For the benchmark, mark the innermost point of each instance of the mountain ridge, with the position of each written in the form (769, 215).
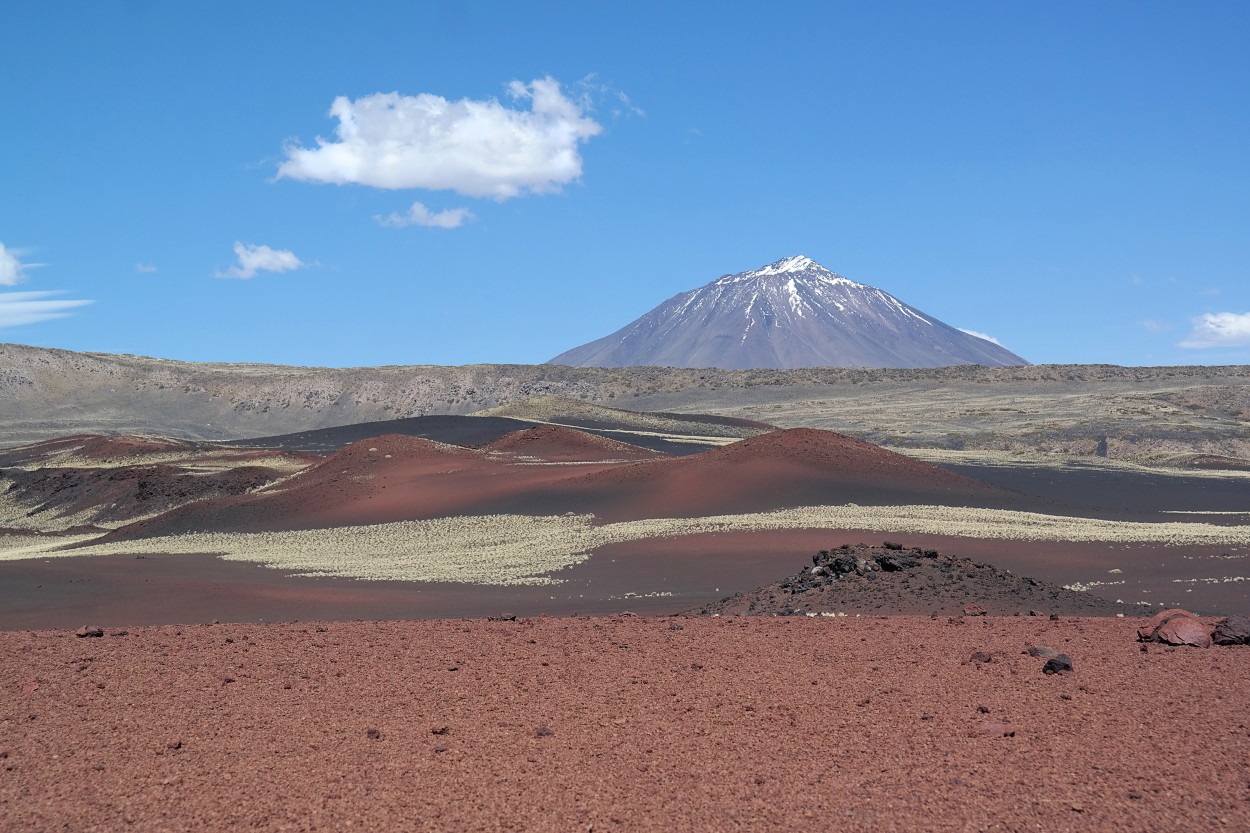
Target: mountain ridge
(792, 313)
(1145, 411)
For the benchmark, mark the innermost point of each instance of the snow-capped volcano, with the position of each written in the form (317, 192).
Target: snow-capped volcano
(792, 313)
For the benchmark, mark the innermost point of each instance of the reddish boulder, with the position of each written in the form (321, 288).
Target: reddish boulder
(1176, 627)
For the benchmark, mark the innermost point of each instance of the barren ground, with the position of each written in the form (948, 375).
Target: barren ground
(664, 724)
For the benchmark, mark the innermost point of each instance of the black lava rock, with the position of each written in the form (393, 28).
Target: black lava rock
(1059, 664)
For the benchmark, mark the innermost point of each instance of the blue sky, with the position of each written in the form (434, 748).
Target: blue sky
(501, 182)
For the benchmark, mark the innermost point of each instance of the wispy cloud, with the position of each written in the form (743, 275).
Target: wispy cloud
(1219, 329)
(479, 148)
(18, 308)
(254, 259)
(626, 107)
(1152, 325)
(985, 336)
(145, 268)
(592, 93)
(419, 215)
(12, 270)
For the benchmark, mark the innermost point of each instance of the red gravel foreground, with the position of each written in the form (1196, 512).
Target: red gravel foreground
(626, 723)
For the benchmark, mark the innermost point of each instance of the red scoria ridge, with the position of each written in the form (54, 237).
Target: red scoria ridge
(396, 477)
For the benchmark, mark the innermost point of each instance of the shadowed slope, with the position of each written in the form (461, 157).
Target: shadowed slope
(440, 428)
(557, 443)
(94, 449)
(575, 413)
(105, 480)
(795, 467)
(397, 478)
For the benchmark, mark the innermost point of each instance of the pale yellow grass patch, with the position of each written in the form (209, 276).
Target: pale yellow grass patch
(519, 549)
(1028, 460)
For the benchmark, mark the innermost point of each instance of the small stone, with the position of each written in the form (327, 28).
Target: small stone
(373, 734)
(89, 630)
(543, 731)
(980, 656)
(440, 730)
(1058, 664)
(174, 744)
(1042, 651)
(974, 610)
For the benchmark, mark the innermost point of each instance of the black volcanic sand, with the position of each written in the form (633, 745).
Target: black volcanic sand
(467, 431)
(1126, 490)
(655, 576)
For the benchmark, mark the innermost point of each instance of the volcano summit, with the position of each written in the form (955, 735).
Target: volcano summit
(789, 314)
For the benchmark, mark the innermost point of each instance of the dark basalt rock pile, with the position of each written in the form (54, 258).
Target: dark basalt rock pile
(892, 579)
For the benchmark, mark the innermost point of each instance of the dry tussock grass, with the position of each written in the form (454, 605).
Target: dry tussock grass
(519, 549)
(1022, 460)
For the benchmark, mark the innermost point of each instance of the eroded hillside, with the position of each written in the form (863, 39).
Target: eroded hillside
(1181, 415)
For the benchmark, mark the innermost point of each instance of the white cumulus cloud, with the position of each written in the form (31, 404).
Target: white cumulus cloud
(253, 259)
(12, 271)
(479, 148)
(420, 215)
(988, 338)
(17, 308)
(1219, 329)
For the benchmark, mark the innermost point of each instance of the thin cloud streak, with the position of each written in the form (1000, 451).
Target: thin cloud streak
(20, 308)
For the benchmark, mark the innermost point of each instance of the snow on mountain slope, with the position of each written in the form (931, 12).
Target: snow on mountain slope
(788, 314)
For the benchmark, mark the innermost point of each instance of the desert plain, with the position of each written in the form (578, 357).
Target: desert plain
(528, 610)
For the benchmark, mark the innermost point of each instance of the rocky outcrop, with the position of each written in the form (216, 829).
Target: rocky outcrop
(1176, 627)
(894, 579)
